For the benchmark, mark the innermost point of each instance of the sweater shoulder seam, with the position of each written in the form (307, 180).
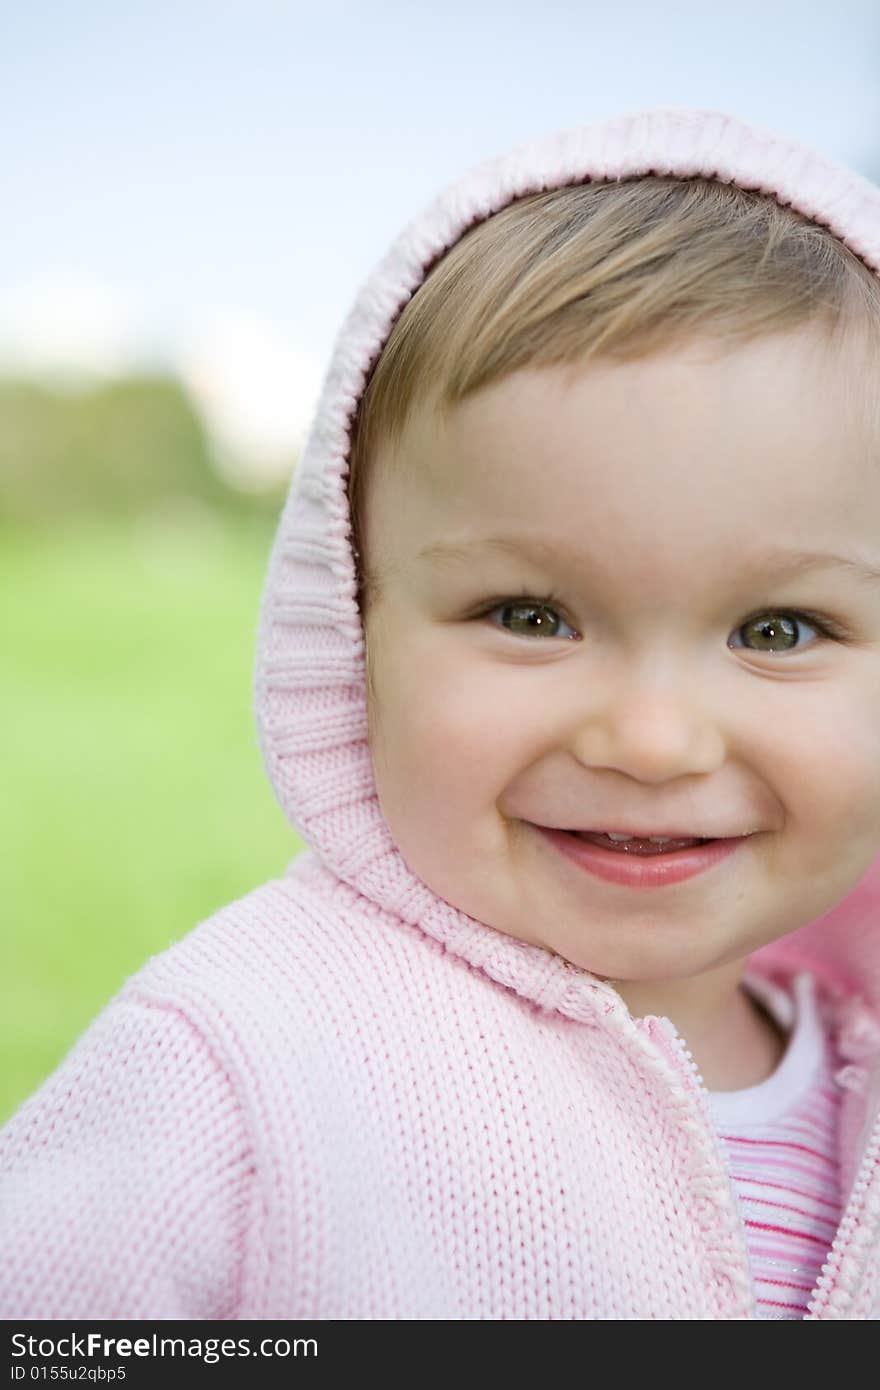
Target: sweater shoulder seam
(133, 994)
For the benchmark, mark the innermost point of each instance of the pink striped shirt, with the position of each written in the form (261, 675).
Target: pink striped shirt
(780, 1140)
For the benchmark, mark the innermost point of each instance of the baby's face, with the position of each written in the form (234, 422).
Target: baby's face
(656, 500)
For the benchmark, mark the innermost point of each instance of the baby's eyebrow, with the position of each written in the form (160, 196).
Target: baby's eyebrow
(775, 562)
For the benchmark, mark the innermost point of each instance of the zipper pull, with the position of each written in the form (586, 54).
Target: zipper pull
(663, 1032)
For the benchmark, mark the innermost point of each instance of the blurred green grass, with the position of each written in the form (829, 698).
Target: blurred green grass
(134, 802)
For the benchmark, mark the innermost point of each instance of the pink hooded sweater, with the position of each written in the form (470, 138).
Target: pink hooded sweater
(341, 1097)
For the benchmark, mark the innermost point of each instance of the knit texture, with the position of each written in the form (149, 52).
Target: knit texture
(307, 1109)
(342, 1097)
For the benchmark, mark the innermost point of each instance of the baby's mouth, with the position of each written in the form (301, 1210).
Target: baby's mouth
(634, 845)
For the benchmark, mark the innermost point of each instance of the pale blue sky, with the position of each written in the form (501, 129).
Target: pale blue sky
(197, 157)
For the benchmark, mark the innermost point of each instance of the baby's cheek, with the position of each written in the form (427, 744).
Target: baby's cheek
(850, 814)
(445, 751)
(444, 745)
(837, 763)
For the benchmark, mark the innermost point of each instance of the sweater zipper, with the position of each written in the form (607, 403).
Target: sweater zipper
(828, 1278)
(662, 1033)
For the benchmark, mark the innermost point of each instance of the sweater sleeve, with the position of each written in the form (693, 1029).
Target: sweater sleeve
(125, 1179)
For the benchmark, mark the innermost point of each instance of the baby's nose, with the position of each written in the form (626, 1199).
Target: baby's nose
(649, 734)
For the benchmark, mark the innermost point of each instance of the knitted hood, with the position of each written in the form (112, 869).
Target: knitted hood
(310, 690)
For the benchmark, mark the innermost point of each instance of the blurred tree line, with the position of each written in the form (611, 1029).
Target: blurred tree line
(118, 448)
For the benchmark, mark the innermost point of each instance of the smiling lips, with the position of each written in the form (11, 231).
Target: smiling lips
(639, 863)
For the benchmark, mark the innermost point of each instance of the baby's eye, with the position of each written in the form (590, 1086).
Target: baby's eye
(777, 631)
(530, 618)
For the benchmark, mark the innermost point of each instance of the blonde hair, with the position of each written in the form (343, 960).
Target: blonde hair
(614, 270)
